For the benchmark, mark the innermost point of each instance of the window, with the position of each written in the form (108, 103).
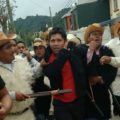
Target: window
(115, 5)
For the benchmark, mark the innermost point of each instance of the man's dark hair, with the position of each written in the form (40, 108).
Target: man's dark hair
(21, 42)
(14, 40)
(57, 30)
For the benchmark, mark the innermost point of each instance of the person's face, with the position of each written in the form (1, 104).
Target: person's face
(14, 46)
(6, 53)
(95, 36)
(39, 51)
(56, 43)
(21, 47)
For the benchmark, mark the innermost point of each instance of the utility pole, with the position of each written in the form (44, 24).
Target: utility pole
(77, 2)
(51, 17)
(10, 16)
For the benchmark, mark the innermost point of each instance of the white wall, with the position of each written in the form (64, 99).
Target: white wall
(85, 1)
(113, 13)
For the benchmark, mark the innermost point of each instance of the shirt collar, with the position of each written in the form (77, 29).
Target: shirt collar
(7, 66)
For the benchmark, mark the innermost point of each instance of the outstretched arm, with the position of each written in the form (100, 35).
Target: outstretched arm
(114, 61)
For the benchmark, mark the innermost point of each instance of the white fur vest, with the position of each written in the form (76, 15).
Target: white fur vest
(18, 80)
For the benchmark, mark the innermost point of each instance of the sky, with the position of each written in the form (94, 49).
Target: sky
(41, 7)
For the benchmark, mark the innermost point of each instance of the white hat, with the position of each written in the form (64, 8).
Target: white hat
(73, 38)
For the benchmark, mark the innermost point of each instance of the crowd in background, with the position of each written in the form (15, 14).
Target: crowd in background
(91, 70)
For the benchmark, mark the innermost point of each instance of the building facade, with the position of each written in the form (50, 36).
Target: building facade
(114, 8)
(87, 12)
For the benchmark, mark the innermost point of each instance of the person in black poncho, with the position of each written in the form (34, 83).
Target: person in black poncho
(101, 75)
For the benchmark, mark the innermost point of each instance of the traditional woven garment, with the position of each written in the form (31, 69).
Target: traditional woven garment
(19, 79)
(114, 44)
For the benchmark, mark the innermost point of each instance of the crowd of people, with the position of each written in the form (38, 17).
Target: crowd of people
(90, 70)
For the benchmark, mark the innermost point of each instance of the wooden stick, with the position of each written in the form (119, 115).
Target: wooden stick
(53, 92)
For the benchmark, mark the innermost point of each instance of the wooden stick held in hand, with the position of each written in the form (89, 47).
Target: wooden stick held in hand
(53, 92)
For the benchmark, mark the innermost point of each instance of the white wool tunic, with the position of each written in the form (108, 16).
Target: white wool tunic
(114, 45)
(18, 78)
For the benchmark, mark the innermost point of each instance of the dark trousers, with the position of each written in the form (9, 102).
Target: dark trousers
(116, 110)
(69, 111)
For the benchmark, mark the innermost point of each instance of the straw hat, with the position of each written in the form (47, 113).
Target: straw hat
(92, 28)
(4, 39)
(115, 28)
(37, 40)
(12, 35)
(73, 38)
(49, 29)
(40, 43)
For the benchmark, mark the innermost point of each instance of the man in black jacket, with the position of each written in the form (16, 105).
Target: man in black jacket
(65, 71)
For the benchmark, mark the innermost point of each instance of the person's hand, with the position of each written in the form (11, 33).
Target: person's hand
(43, 63)
(105, 60)
(27, 54)
(21, 96)
(54, 92)
(95, 79)
(3, 112)
(93, 45)
(66, 44)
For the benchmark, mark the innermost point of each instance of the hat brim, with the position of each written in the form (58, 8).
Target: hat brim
(12, 36)
(37, 44)
(4, 41)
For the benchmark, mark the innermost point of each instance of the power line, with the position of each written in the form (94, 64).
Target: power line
(38, 5)
(69, 3)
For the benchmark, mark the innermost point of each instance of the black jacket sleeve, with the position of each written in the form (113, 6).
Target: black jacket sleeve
(2, 84)
(53, 70)
(56, 66)
(107, 71)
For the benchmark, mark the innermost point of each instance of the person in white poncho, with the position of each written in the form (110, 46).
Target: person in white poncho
(17, 74)
(114, 44)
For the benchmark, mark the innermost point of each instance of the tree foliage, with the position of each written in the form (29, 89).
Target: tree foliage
(32, 24)
(27, 27)
(38, 23)
(3, 15)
